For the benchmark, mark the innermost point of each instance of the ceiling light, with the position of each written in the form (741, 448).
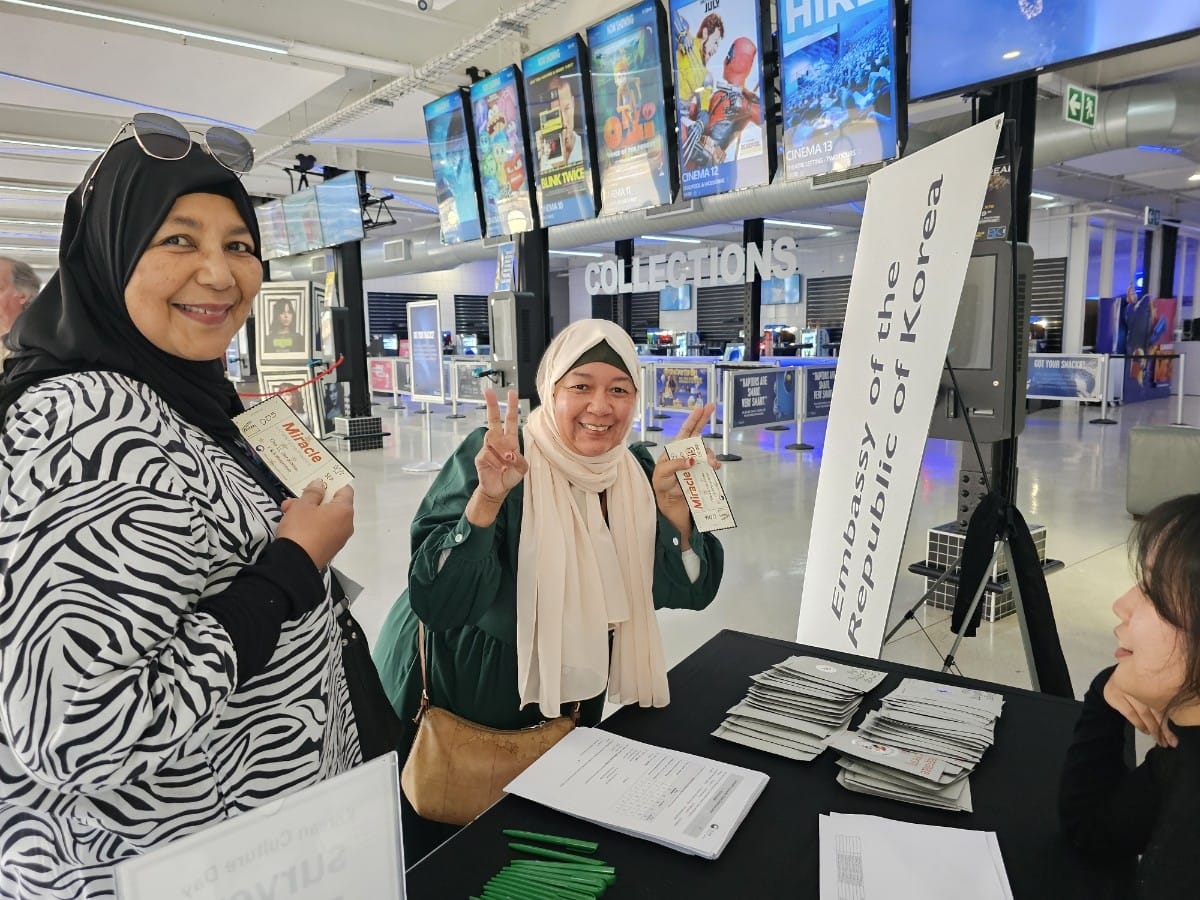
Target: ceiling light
(420, 182)
(36, 223)
(787, 223)
(1195, 176)
(1011, 54)
(152, 26)
(1159, 148)
(669, 239)
(34, 190)
(1038, 195)
(587, 253)
(49, 145)
(29, 249)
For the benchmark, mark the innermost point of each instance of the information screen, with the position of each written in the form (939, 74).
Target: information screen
(675, 297)
(777, 291)
(273, 230)
(837, 86)
(634, 148)
(719, 96)
(303, 221)
(957, 46)
(340, 209)
(557, 104)
(452, 156)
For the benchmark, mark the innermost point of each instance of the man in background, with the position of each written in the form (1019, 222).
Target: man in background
(18, 285)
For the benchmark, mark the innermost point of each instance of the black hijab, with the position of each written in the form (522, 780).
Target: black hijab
(79, 322)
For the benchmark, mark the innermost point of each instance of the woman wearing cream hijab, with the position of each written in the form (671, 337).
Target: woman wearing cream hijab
(540, 556)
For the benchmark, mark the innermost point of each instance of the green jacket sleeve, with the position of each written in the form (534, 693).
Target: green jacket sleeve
(672, 587)
(459, 592)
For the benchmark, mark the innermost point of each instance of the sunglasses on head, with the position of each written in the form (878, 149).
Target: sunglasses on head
(164, 138)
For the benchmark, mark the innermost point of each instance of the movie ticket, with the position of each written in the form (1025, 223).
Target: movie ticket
(289, 449)
(701, 487)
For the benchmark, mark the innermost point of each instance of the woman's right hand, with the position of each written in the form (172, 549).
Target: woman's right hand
(321, 529)
(499, 463)
(1139, 715)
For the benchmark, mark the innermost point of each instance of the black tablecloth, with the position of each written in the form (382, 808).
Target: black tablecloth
(775, 851)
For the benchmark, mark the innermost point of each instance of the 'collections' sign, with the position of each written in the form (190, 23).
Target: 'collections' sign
(731, 264)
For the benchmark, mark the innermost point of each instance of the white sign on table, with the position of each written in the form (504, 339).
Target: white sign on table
(916, 239)
(339, 838)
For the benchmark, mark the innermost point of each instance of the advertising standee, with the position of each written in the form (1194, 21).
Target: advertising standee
(558, 103)
(451, 153)
(914, 247)
(836, 81)
(719, 100)
(425, 348)
(497, 115)
(635, 155)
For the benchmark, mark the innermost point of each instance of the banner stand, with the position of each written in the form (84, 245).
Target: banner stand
(647, 423)
(727, 402)
(428, 465)
(801, 413)
(1104, 419)
(1179, 402)
(642, 425)
(454, 413)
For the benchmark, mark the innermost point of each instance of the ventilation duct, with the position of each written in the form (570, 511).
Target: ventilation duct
(1166, 114)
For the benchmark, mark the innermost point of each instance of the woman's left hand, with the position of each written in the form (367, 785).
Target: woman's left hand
(667, 492)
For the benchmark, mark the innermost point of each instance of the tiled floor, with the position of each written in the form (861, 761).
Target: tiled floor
(1072, 480)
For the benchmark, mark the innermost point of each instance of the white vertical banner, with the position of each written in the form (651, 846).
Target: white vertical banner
(917, 234)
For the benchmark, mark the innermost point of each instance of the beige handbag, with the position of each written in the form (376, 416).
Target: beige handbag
(456, 768)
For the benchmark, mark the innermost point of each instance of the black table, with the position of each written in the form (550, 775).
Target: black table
(775, 851)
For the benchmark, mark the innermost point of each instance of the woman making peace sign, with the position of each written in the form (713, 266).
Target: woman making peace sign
(562, 527)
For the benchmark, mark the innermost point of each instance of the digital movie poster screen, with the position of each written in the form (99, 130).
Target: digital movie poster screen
(496, 115)
(635, 160)
(450, 151)
(719, 96)
(957, 46)
(556, 101)
(837, 86)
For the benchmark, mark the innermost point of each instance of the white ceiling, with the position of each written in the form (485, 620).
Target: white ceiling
(352, 75)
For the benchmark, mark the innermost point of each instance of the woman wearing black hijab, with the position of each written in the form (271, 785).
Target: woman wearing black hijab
(168, 652)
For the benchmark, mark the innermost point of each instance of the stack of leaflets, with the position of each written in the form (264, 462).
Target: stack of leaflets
(921, 746)
(795, 706)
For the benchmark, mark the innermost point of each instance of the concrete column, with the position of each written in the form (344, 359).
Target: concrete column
(1108, 250)
(1077, 269)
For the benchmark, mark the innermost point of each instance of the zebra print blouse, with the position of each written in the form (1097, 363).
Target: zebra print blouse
(121, 725)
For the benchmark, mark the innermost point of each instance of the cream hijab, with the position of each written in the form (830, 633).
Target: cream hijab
(576, 575)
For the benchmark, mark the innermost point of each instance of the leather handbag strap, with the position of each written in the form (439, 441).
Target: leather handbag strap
(424, 678)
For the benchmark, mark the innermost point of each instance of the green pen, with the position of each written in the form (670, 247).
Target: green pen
(541, 889)
(554, 854)
(585, 866)
(553, 840)
(593, 887)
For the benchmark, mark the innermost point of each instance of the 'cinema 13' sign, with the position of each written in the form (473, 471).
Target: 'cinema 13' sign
(730, 264)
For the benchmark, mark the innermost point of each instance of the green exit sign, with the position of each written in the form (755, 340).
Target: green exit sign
(1079, 106)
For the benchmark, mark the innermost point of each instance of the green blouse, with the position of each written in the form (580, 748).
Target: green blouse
(469, 607)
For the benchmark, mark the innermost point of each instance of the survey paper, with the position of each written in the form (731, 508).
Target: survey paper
(289, 449)
(872, 858)
(685, 802)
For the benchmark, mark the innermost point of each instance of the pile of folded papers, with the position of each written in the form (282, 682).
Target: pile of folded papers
(795, 706)
(921, 746)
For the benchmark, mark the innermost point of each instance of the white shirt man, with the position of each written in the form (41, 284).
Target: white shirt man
(18, 285)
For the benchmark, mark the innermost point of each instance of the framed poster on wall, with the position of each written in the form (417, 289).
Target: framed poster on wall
(283, 320)
(301, 400)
